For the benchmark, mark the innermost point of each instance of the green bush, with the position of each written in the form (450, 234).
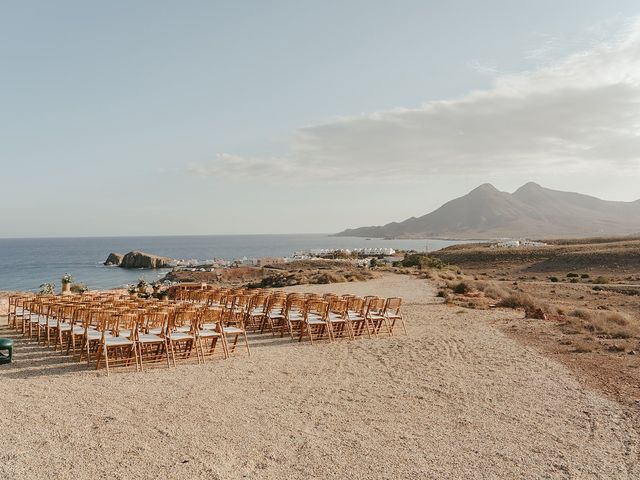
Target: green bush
(572, 275)
(601, 279)
(553, 279)
(584, 275)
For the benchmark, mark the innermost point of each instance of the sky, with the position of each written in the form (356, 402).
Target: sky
(204, 117)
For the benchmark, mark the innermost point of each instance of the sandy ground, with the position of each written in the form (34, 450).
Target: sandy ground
(455, 399)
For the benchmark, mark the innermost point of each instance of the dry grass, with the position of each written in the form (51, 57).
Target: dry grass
(517, 300)
(580, 346)
(582, 314)
(462, 287)
(610, 324)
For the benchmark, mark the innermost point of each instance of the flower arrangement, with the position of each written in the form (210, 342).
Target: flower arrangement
(79, 288)
(66, 278)
(47, 289)
(132, 289)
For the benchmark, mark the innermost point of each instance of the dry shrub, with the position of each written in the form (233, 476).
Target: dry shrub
(616, 348)
(615, 325)
(325, 278)
(583, 314)
(462, 288)
(582, 347)
(524, 301)
(617, 318)
(494, 291)
(517, 300)
(444, 295)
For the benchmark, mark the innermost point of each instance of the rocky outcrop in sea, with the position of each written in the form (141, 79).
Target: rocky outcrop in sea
(138, 259)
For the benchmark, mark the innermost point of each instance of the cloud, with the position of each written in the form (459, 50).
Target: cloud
(482, 67)
(581, 113)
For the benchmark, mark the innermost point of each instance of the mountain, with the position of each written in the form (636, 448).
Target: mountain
(531, 211)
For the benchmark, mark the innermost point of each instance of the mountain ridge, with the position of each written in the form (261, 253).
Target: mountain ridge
(531, 211)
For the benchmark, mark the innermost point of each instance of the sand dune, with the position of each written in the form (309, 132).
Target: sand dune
(454, 399)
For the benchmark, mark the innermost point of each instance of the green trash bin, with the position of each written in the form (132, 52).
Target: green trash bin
(6, 345)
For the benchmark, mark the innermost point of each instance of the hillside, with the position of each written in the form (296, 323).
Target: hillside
(531, 211)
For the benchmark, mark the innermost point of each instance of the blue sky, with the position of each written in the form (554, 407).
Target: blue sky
(144, 117)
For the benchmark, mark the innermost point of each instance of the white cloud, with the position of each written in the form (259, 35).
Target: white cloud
(579, 114)
(483, 67)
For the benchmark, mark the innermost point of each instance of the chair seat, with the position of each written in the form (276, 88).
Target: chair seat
(274, 315)
(393, 316)
(233, 330)
(207, 333)
(336, 317)
(183, 329)
(96, 335)
(78, 330)
(315, 321)
(150, 338)
(155, 331)
(210, 326)
(114, 341)
(177, 336)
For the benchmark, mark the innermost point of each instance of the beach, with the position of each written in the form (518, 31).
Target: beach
(455, 398)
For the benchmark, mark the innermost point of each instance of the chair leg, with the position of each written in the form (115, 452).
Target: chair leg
(166, 352)
(106, 359)
(246, 341)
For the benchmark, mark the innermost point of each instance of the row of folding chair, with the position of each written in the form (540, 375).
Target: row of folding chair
(126, 330)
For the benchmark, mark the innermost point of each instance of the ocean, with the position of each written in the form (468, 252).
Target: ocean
(26, 263)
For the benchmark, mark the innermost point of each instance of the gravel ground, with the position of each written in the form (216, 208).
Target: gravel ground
(454, 399)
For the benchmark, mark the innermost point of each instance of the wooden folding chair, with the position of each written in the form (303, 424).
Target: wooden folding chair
(294, 313)
(209, 331)
(121, 347)
(274, 316)
(315, 321)
(393, 314)
(180, 333)
(356, 317)
(374, 315)
(233, 327)
(338, 320)
(150, 336)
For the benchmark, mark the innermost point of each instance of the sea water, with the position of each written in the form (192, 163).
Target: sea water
(26, 263)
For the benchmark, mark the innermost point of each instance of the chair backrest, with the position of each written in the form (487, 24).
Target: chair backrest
(296, 303)
(375, 305)
(393, 305)
(355, 304)
(338, 306)
(317, 307)
(210, 316)
(157, 319)
(276, 304)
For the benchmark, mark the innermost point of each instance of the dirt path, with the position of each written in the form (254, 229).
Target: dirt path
(454, 399)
